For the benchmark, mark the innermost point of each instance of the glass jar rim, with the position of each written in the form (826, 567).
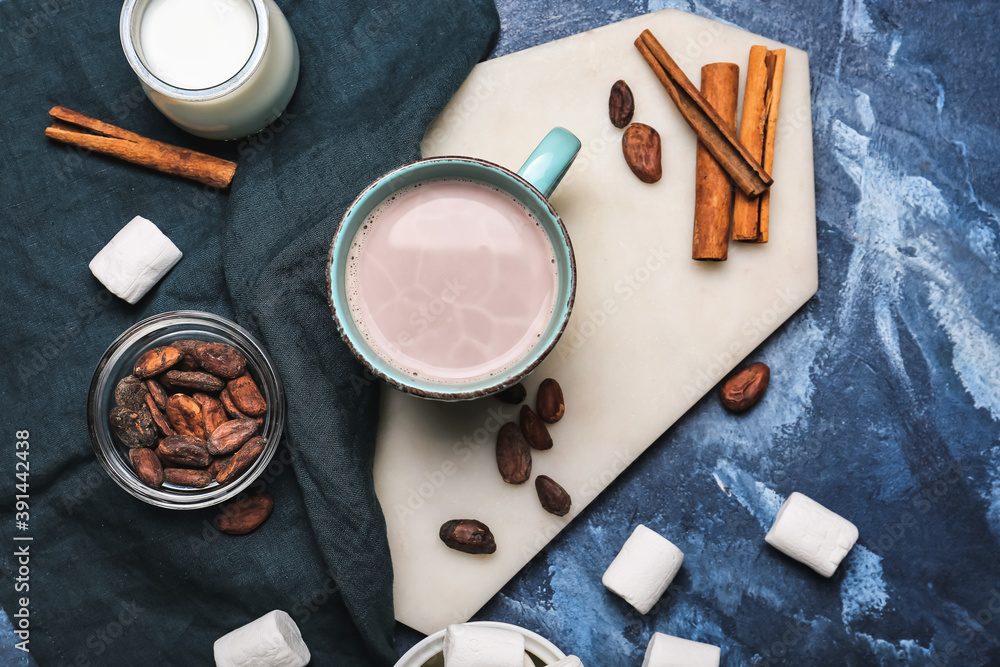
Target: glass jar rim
(128, 31)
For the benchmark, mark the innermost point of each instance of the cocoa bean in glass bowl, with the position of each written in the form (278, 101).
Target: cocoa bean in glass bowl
(134, 404)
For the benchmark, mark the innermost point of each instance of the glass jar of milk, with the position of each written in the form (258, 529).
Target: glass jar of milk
(220, 69)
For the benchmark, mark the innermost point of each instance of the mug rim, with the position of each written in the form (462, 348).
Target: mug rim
(455, 392)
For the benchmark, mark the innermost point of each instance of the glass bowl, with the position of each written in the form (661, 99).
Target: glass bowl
(118, 361)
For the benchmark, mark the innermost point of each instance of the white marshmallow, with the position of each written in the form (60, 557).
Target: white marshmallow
(273, 640)
(812, 534)
(568, 661)
(467, 645)
(135, 259)
(643, 569)
(669, 651)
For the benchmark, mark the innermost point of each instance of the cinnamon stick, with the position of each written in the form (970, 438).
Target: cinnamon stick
(777, 73)
(719, 139)
(758, 125)
(713, 191)
(74, 128)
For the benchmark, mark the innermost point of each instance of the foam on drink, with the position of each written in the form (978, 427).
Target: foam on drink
(451, 281)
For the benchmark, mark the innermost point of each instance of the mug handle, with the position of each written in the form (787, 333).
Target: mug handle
(548, 163)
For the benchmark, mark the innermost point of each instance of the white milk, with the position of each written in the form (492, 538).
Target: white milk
(197, 44)
(220, 69)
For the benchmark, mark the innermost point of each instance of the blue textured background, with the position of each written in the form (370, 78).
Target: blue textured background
(885, 389)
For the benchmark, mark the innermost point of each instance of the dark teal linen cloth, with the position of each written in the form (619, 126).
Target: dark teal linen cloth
(114, 581)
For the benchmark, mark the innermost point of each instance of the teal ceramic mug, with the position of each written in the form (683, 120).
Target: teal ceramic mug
(451, 278)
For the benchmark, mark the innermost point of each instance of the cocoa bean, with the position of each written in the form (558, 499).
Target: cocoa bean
(549, 403)
(621, 104)
(170, 393)
(155, 361)
(215, 414)
(241, 460)
(245, 515)
(534, 429)
(187, 363)
(513, 454)
(745, 388)
(220, 359)
(513, 394)
(158, 417)
(168, 386)
(130, 393)
(147, 466)
(246, 396)
(185, 451)
(218, 464)
(158, 393)
(553, 497)
(193, 380)
(197, 479)
(642, 150)
(230, 436)
(187, 347)
(227, 403)
(468, 536)
(185, 416)
(135, 428)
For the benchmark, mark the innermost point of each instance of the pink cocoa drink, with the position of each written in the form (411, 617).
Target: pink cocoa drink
(451, 281)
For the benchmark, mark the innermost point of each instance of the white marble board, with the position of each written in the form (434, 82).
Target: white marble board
(652, 330)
